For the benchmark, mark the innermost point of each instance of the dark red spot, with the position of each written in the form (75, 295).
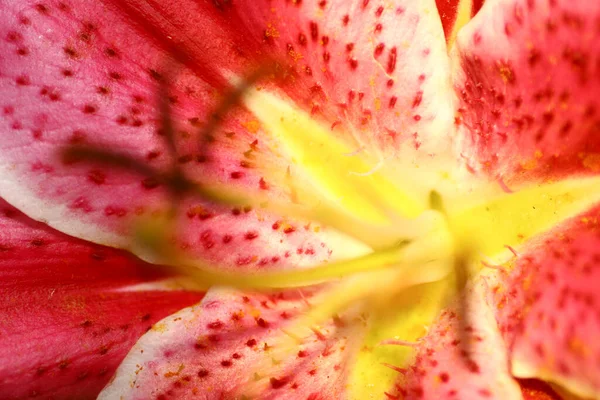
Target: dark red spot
(262, 323)
(279, 383)
(353, 62)
(302, 39)
(70, 52)
(150, 183)
(227, 238)
(37, 242)
(226, 363)
(215, 325)
(97, 177)
(444, 377)
(103, 90)
(391, 64)
(89, 109)
(236, 175)
(345, 20)
(379, 49)
(23, 80)
(251, 235)
(251, 342)
(392, 102)
(263, 184)
(417, 99)
(314, 31)
(42, 8)
(202, 373)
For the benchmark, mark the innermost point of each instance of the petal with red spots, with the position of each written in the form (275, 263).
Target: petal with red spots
(527, 77)
(548, 307)
(70, 311)
(89, 75)
(229, 346)
(470, 365)
(375, 71)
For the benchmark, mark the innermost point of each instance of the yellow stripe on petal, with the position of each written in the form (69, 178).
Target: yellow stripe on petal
(335, 169)
(513, 218)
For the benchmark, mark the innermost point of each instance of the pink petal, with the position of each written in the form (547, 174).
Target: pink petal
(227, 346)
(446, 367)
(87, 73)
(69, 311)
(549, 308)
(527, 82)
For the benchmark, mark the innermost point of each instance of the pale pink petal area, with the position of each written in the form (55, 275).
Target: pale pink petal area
(471, 365)
(548, 307)
(69, 310)
(88, 74)
(230, 346)
(527, 80)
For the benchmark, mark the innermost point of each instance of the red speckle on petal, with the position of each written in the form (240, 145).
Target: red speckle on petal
(279, 383)
(391, 64)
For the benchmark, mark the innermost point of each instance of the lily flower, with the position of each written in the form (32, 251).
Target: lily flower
(383, 210)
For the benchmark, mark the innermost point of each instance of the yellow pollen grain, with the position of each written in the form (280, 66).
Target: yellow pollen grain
(252, 126)
(506, 74)
(160, 327)
(170, 374)
(529, 165)
(591, 161)
(377, 104)
(578, 347)
(271, 31)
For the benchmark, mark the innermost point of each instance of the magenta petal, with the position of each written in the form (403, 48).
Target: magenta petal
(230, 345)
(74, 73)
(528, 83)
(69, 311)
(549, 307)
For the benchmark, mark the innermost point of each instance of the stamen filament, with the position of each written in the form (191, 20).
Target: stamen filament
(205, 276)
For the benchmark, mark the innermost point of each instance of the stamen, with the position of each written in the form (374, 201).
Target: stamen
(492, 266)
(398, 342)
(205, 276)
(375, 168)
(395, 368)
